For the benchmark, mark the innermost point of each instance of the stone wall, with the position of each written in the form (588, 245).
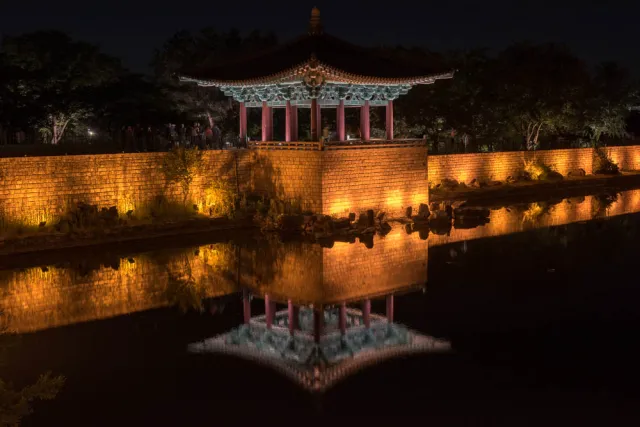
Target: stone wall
(498, 166)
(386, 179)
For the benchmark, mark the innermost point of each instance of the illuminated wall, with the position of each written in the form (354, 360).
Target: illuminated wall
(627, 157)
(498, 166)
(386, 179)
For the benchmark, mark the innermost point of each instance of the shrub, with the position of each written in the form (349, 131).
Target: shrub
(219, 199)
(603, 164)
(539, 171)
(181, 165)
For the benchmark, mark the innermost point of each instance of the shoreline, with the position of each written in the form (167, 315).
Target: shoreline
(145, 235)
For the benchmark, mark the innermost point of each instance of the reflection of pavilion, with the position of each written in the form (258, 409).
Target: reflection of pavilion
(317, 347)
(319, 340)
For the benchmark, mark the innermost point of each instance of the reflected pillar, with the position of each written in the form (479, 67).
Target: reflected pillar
(318, 320)
(246, 306)
(389, 126)
(364, 121)
(266, 122)
(293, 317)
(366, 312)
(340, 121)
(243, 124)
(268, 311)
(342, 320)
(390, 308)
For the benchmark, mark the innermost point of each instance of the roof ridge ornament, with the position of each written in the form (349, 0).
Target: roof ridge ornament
(315, 26)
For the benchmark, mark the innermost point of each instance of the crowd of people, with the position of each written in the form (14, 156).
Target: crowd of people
(140, 138)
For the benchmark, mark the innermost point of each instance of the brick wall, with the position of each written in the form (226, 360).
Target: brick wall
(387, 179)
(627, 157)
(498, 166)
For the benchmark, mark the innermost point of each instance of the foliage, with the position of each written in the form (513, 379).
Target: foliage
(187, 53)
(184, 291)
(15, 404)
(603, 164)
(52, 79)
(180, 166)
(539, 171)
(219, 199)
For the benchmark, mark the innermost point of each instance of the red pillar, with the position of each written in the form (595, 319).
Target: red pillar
(390, 119)
(342, 320)
(265, 121)
(319, 121)
(314, 120)
(390, 308)
(292, 317)
(288, 122)
(246, 306)
(243, 123)
(268, 311)
(340, 121)
(318, 320)
(366, 312)
(364, 121)
(270, 128)
(294, 122)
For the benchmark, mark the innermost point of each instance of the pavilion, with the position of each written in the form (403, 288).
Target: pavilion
(315, 71)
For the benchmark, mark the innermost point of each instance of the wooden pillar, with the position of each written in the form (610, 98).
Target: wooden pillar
(314, 120)
(292, 317)
(265, 121)
(268, 311)
(288, 122)
(366, 312)
(342, 320)
(364, 121)
(390, 308)
(246, 306)
(243, 124)
(294, 122)
(390, 119)
(340, 121)
(318, 320)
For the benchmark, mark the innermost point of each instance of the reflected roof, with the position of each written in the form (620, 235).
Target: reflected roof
(319, 366)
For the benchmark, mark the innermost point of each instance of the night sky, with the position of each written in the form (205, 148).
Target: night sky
(132, 29)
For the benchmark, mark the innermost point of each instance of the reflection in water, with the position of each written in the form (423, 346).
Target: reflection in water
(100, 286)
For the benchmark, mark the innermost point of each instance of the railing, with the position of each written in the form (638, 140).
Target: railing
(374, 143)
(275, 145)
(335, 145)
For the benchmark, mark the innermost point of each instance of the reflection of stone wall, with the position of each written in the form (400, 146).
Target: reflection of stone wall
(45, 297)
(308, 273)
(512, 220)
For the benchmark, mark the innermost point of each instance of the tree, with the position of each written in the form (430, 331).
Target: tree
(52, 78)
(538, 88)
(608, 102)
(206, 48)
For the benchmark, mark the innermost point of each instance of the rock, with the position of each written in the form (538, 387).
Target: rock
(494, 183)
(352, 217)
(382, 217)
(423, 233)
(458, 204)
(290, 222)
(408, 212)
(434, 207)
(342, 223)
(576, 172)
(63, 226)
(449, 184)
(408, 229)
(448, 211)
(474, 183)
(369, 230)
(469, 222)
(440, 225)
(363, 221)
(551, 176)
(370, 218)
(423, 211)
(510, 180)
(385, 228)
(470, 212)
(367, 239)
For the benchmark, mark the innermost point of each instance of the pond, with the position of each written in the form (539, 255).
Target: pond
(537, 307)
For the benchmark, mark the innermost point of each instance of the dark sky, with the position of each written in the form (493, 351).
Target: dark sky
(132, 29)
